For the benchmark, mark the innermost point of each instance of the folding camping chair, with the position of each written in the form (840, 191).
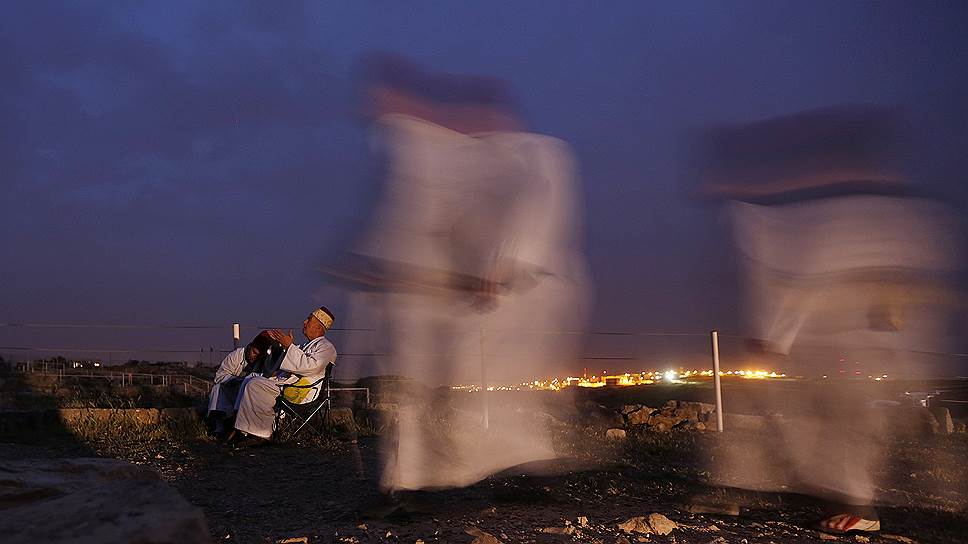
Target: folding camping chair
(305, 412)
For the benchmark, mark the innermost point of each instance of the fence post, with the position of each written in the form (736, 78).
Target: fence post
(716, 382)
(484, 383)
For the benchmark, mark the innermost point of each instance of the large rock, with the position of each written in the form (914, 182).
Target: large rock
(680, 415)
(93, 501)
(662, 422)
(480, 537)
(677, 415)
(629, 408)
(639, 416)
(691, 411)
(692, 426)
(661, 524)
(636, 525)
(655, 523)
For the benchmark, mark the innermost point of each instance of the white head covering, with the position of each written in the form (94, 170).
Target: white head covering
(323, 316)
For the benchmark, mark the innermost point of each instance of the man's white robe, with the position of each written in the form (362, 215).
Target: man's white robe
(256, 406)
(228, 378)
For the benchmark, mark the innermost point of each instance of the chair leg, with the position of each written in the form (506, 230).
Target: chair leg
(327, 426)
(280, 423)
(310, 417)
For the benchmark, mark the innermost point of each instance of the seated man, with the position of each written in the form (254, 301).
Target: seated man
(256, 406)
(228, 379)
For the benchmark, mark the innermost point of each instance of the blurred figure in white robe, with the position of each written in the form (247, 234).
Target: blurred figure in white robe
(476, 267)
(838, 251)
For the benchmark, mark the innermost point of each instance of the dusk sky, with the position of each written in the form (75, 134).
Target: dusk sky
(192, 162)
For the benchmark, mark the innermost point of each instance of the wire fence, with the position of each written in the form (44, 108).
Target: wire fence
(188, 383)
(89, 358)
(28, 341)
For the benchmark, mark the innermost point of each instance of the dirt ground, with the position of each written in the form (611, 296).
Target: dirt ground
(328, 492)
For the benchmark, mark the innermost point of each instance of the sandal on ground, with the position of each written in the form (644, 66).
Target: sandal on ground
(845, 523)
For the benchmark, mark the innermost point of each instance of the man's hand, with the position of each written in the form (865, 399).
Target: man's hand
(283, 338)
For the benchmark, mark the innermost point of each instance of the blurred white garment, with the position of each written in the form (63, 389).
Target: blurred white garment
(862, 273)
(830, 267)
(471, 205)
(460, 211)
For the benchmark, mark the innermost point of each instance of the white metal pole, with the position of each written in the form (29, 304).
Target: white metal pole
(716, 382)
(484, 383)
(235, 334)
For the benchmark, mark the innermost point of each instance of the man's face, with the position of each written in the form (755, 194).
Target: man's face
(252, 353)
(312, 328)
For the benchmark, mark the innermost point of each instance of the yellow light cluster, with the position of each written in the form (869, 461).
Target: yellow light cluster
(627, 379)
(752, 374)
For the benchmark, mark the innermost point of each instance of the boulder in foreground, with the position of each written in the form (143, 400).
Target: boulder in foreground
(92, 500)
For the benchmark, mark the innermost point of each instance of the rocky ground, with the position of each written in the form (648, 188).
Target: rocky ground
(628, 473)
(613, 491)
